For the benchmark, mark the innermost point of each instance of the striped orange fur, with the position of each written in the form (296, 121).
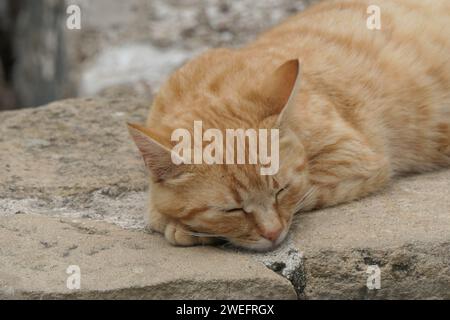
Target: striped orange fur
(372, 104)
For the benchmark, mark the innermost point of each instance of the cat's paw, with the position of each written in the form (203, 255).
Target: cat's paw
(178, 235)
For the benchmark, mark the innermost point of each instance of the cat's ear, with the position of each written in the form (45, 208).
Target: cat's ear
(157, 158)
(282, 88)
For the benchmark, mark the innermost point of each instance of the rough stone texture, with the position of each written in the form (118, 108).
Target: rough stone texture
(135, 42)
(65, 165)
(122, 264)
(70, 148)
(405, 230)
(74, 156)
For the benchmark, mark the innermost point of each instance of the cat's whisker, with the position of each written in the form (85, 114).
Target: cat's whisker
(248, 241)
(204, 235)
(303, 202)
(302, 199)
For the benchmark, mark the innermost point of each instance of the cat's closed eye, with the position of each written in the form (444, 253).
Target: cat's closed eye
(280, 191)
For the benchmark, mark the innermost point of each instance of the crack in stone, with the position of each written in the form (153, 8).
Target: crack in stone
(288, 262)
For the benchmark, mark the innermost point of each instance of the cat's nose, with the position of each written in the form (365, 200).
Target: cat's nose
(272, 234)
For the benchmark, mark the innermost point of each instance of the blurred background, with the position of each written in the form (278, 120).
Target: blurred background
(122, 48)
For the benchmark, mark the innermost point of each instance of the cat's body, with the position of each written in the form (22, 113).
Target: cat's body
(371, 104)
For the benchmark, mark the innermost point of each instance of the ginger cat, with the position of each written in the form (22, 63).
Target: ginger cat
(354, 107)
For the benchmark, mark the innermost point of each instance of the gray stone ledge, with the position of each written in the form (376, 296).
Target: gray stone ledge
(72, 191)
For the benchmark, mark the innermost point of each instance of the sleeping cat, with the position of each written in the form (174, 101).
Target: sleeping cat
(354, 107)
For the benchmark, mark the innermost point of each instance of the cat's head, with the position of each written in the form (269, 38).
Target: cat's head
(234, 202)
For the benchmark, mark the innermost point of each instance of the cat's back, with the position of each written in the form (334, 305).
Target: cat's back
(391, 82)
(413, 36)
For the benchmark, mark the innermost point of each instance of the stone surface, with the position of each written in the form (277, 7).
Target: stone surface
(72, 191)
(135, 42)
(76, 157)
(121, 264)
(404, 230)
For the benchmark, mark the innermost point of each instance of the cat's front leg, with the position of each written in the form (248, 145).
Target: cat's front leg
(173, 231)
(178, 235)
(156, 221)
